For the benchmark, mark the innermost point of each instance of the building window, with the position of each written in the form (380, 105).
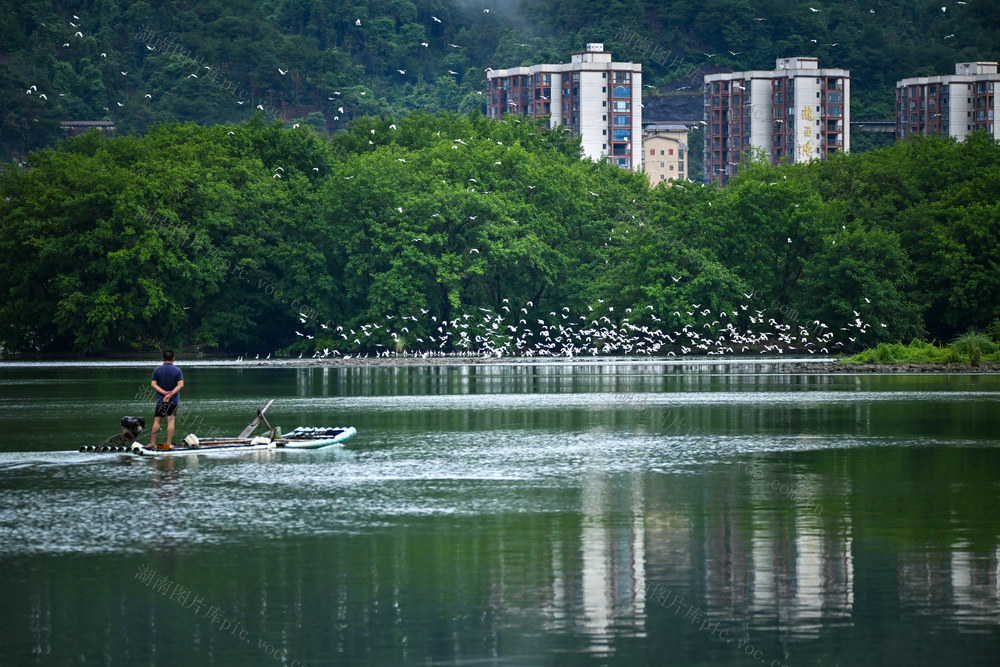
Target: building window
(652, 151)
(622, 135)
(622, 91)
(661, 165)
(835, 97)
(670, 152)
(623, 77)
(622, 120)
(622, 105)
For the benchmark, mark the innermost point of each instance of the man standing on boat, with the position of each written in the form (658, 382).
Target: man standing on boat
(167, 383)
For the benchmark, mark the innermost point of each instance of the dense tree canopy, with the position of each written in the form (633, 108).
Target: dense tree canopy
(258, 237)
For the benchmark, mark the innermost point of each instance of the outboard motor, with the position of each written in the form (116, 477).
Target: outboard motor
(132, 427)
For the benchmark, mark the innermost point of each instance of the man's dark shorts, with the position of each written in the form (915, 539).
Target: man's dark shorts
(165, 409)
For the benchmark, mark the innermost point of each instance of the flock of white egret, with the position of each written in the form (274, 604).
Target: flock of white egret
(525, 332)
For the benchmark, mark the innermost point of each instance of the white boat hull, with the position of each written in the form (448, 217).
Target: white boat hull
(304, 437)
(203, 448)
(314, 438)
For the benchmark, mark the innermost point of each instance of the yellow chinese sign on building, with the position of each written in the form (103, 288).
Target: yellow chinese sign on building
(806, 148)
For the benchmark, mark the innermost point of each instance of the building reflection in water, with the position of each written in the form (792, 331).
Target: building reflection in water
(792, 571)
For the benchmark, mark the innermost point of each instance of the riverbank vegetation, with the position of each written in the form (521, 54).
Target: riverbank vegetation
(972, 348)
(258, 237)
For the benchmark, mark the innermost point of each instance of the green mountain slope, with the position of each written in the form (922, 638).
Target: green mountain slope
(139, 63)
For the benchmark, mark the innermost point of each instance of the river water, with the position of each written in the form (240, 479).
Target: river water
(606, 512)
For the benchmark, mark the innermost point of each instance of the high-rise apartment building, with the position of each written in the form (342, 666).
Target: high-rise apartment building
(595, 98)
(954, 105)
(795, 113)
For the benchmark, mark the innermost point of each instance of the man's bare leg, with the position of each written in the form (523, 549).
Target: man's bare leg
(156, 429)
(170, 430)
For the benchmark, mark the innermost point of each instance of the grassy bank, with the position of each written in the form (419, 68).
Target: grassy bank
(971, 348)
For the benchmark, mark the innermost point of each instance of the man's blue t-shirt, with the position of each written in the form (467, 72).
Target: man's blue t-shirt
(167, 376)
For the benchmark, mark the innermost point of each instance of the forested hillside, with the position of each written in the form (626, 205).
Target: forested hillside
(257, 237)
(327, 62)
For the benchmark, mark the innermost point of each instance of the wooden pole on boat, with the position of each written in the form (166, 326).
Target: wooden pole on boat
(260, 414)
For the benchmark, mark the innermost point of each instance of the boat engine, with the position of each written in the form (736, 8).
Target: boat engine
(132, 427)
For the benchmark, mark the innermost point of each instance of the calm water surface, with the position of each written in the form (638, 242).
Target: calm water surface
(612, 512)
